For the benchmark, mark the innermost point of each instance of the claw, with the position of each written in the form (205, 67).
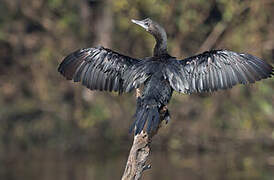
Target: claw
(147, 167)
(165, 113)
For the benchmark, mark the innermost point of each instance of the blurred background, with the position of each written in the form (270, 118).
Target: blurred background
(53, 129)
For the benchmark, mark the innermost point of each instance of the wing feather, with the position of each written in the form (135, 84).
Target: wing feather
(216, 69)
(99, 68)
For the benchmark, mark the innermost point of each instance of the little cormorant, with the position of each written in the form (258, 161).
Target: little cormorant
(101, 69)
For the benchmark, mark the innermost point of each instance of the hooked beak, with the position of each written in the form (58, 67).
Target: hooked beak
(140, 23)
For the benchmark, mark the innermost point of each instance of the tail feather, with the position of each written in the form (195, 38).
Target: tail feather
(151, 106)
(150, 123)
(142, 121)
(146, 115)
(155, 120)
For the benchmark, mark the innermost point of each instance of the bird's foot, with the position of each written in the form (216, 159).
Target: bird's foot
(165, 114)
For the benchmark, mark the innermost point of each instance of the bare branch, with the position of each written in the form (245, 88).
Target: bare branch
(137, 157)
(220, 28)
(213, 37)
(140, 150)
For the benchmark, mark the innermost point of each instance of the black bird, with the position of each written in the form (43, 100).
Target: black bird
(102, 69)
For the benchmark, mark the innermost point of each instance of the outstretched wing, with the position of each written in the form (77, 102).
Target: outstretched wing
(216, 69)
(97, 68)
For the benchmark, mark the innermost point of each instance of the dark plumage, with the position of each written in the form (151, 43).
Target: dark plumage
(103, 69)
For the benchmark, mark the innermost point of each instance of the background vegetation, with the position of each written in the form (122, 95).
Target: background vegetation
(54, 129)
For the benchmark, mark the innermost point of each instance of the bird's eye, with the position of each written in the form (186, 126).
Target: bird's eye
(146, 23)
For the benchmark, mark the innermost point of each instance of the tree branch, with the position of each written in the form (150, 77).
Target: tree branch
(213, 37)
(140, 150)
(137, 158)
(220, 27)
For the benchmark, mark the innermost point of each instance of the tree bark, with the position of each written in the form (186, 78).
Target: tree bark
(137, 158)
(140, 150)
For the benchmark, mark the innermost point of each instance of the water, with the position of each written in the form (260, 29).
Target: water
(46, 164)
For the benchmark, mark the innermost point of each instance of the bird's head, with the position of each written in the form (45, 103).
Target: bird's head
(150, 26)
(157, 31)
(147, 23)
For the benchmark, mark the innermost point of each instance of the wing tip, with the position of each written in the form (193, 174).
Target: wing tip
(70, 64)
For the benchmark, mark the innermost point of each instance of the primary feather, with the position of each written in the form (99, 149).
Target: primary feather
(214, 70)
(99, 69)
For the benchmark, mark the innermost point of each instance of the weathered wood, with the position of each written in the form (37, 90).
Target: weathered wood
(137, 158)
(140, 150)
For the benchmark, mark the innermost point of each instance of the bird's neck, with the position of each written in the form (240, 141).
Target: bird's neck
(161, 42)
